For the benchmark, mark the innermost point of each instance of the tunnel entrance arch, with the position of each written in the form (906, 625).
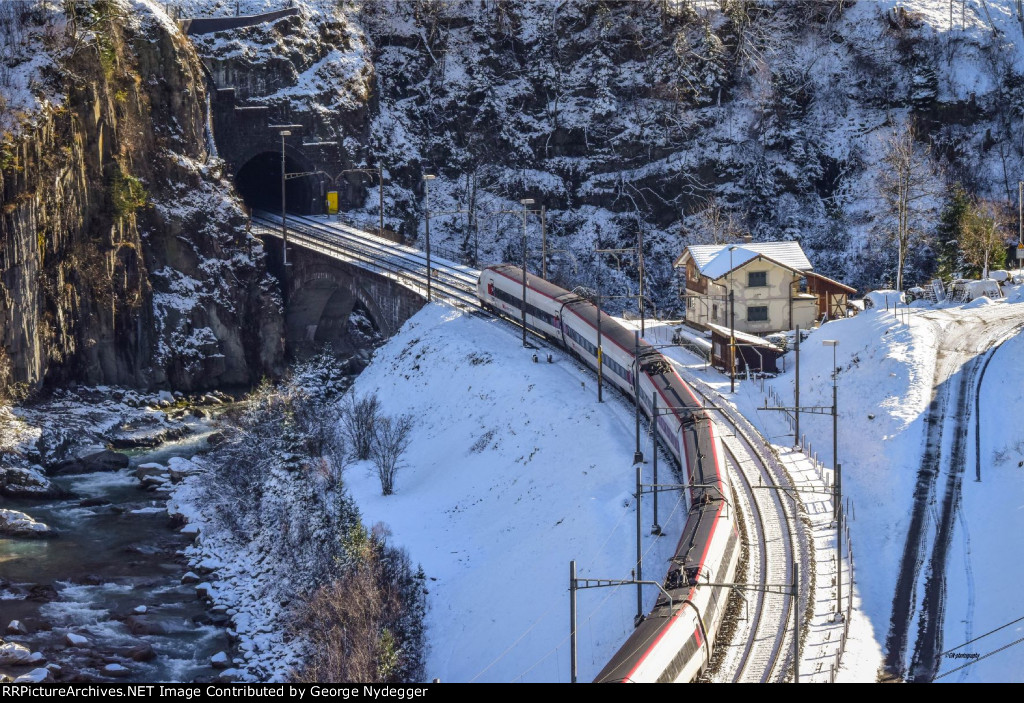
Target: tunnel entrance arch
(258, 181)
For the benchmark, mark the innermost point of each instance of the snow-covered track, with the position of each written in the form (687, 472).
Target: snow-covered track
(770, 614)
(762, 651)
(450, 282)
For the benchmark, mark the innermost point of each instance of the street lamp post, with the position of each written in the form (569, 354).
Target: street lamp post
(600, 351)
(427, 178)
(640, 272)
(543, 243)
(732, 327)
(525, 202)
(638, 455)
(655, 527)
(284, 209)
(837, 508)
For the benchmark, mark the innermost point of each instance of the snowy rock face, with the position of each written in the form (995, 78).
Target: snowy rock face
(126, 258)
(13, 654)
(28, 482)
(694, 121)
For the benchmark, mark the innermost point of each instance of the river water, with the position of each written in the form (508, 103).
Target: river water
(107, 561)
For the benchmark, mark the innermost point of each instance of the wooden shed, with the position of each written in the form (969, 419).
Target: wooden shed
(752, 352)
(832, 295)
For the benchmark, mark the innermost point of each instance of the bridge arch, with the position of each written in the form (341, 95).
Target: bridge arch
(321, 301)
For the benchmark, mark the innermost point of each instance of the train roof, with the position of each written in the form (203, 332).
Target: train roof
(696, 533)
(610, 328)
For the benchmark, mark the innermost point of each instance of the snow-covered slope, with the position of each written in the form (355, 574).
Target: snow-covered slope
(887, 367)
(514, 470)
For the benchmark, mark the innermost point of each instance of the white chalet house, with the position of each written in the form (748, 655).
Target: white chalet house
(773, 285)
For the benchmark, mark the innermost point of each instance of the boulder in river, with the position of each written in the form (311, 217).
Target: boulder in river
(179, 468)
(14, 654)
(74, 640)
(143, 625)
(41, 593)
(140, 653)
(40, 675)
(93, 502)
(27, 482)
(105, 460)
(116, 670)
(16, 627)
(14, 523)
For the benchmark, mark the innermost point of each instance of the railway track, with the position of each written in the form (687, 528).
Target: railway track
(937, 492)
(450, 282)
(768, 634)
(763, 651)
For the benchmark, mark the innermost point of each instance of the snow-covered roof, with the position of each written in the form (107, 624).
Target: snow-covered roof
(713, 260)
(742, 337)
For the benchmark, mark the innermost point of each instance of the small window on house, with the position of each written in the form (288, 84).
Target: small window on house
(714, 312)
(757, 314)
(757, 279)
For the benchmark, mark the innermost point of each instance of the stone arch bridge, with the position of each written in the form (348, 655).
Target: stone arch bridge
(336, 303)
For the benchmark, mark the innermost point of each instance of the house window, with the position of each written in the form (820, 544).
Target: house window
(757, 279)
(757, 314)
(714, 311)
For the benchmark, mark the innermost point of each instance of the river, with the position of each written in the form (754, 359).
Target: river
(108, 561)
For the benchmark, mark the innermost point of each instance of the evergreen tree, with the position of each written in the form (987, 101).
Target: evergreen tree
(952, 223)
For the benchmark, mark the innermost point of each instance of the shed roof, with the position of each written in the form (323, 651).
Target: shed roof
(831, 283)
(742, 337)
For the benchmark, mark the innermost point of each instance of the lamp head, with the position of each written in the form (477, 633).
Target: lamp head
(526, 201)
(285, 133)
(429, 176)
(830, 343)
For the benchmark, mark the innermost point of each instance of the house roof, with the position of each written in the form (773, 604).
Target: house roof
(713, 260)
(829, 282)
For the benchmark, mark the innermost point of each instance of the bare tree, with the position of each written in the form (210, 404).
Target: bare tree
(366, 625)
(391, 438)
(358, 422)
(909, 179)
(715, 224)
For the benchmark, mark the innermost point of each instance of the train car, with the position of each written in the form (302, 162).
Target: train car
(675, 641)
(562, 316)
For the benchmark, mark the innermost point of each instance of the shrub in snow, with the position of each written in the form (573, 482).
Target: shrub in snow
(358, 423)
(366, 625)
(391, 437)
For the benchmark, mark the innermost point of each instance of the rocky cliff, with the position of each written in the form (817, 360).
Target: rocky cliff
(123, 253)
(689, 120)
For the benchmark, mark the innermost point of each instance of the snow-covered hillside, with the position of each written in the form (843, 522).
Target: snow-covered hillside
(887, 368)
(514, 470)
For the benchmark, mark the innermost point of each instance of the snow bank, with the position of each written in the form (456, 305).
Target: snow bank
(985, 572)
(514, 470)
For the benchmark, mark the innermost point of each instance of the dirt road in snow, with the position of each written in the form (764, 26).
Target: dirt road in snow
(965, 337)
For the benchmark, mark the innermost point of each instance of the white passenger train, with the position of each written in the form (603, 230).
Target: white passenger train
(675, 641)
